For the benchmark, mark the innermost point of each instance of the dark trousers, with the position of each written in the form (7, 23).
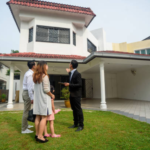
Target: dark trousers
(77, 111)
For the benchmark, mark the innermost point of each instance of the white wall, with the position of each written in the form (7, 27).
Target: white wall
(55, 20)
(101, 38)
(134, 87)
(110, 83)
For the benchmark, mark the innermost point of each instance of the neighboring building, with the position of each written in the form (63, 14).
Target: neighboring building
(58, 33)
(4, 80)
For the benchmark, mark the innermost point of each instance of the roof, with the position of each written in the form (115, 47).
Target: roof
(148, 38)
(53, 6)
(37, 55)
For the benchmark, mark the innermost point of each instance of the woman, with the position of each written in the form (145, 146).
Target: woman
(42, 99)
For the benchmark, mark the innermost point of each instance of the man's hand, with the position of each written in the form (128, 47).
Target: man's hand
(66, 84)
(68, 70)
(31, 101)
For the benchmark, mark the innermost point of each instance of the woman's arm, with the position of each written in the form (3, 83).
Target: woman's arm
(46, 88)
(53, 107)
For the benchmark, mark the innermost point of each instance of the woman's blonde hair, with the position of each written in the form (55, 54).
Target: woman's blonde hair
(39, 71)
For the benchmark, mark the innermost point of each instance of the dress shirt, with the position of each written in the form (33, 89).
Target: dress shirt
(72, 73)
(28, 83)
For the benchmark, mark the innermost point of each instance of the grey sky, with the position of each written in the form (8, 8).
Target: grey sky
(122, 20)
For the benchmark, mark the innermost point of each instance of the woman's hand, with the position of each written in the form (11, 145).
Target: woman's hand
(53, 96)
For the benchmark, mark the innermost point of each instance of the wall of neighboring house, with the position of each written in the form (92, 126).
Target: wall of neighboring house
(131, 47)
(135, 87)
(81, 31)
(110, 83)
(3, 76)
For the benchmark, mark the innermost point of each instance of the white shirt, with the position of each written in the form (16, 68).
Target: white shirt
(28, 83)
(72, 72)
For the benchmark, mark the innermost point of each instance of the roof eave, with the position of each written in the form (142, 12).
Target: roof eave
(13, 15)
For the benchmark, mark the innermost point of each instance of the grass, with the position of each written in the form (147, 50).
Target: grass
(103, 131)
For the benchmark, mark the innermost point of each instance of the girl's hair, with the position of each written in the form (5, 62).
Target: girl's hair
(39, 71)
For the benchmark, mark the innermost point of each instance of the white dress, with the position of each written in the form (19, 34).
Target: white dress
(42, 102)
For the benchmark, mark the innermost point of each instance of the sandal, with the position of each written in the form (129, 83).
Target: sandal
(47, 135)
(55, 136)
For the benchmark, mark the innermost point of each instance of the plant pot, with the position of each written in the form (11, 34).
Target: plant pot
(3, 100)
(67, 103)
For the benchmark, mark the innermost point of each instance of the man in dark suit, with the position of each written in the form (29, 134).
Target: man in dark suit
(75, 88)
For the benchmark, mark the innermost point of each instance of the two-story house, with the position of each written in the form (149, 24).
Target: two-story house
(58, 33)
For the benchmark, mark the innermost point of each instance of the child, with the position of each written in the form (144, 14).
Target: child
(51, 118)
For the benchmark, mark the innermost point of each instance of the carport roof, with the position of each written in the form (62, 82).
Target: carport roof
(66, 58)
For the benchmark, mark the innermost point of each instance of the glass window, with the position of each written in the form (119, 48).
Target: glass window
(53, 35)
(143, 51)
(91, 46)
(148, 51)
(31, 35)
(74, 39)
(137, 52)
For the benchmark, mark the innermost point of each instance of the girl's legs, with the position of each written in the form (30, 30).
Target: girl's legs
(37, 121)
(52, 127)
(42, 127)
(45, 131)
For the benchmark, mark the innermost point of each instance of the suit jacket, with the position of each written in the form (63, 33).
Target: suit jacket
(75, 86)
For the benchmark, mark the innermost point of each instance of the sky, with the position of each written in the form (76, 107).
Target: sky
(122, 20)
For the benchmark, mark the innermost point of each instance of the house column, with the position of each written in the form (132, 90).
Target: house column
(103, 105)
(21, 86)
(11, 81)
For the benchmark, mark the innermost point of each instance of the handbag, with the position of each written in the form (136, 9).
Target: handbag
(31, 116)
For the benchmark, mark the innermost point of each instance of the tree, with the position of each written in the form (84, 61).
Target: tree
(17, 72)
(14, 51)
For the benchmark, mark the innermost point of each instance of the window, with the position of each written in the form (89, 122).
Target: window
(31, 35)
(143, 51)
(53, 35)
(74, 39)
(91, 46)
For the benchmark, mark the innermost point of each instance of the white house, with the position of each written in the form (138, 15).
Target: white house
(58, 33)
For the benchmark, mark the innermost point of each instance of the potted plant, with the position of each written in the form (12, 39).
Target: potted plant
(65, 95)
(3, 97)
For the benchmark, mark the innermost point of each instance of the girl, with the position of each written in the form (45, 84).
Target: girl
(51, 118)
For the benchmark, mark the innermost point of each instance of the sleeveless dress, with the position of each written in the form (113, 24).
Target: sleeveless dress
(42, 102)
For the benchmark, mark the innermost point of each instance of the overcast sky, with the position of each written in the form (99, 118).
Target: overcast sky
(122, 20)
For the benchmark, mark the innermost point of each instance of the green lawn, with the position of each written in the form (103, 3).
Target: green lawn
(103, 131)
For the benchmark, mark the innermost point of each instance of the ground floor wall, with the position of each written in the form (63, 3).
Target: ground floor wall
(136, 86)
(110, 84)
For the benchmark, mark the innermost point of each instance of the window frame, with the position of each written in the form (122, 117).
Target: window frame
(29, 35)
(141, 51)
(48, 36)
(75, 39)
(92, 44)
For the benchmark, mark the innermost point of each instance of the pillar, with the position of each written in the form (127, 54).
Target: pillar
(103, 105)
(11, 81)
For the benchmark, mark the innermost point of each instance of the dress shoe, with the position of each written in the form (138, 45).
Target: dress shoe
(73, 126)
(41, 141)
(79, 129)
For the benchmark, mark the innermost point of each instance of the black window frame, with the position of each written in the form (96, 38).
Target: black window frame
(30, 36)
(47, 27)
(88, 41)
(74, 38)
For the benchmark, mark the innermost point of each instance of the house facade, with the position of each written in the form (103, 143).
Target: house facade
(58, 33)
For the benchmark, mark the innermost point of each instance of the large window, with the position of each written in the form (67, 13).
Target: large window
(74, 39)
(52, 34)
(91, 46)
(143, 51)
(31, 35)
